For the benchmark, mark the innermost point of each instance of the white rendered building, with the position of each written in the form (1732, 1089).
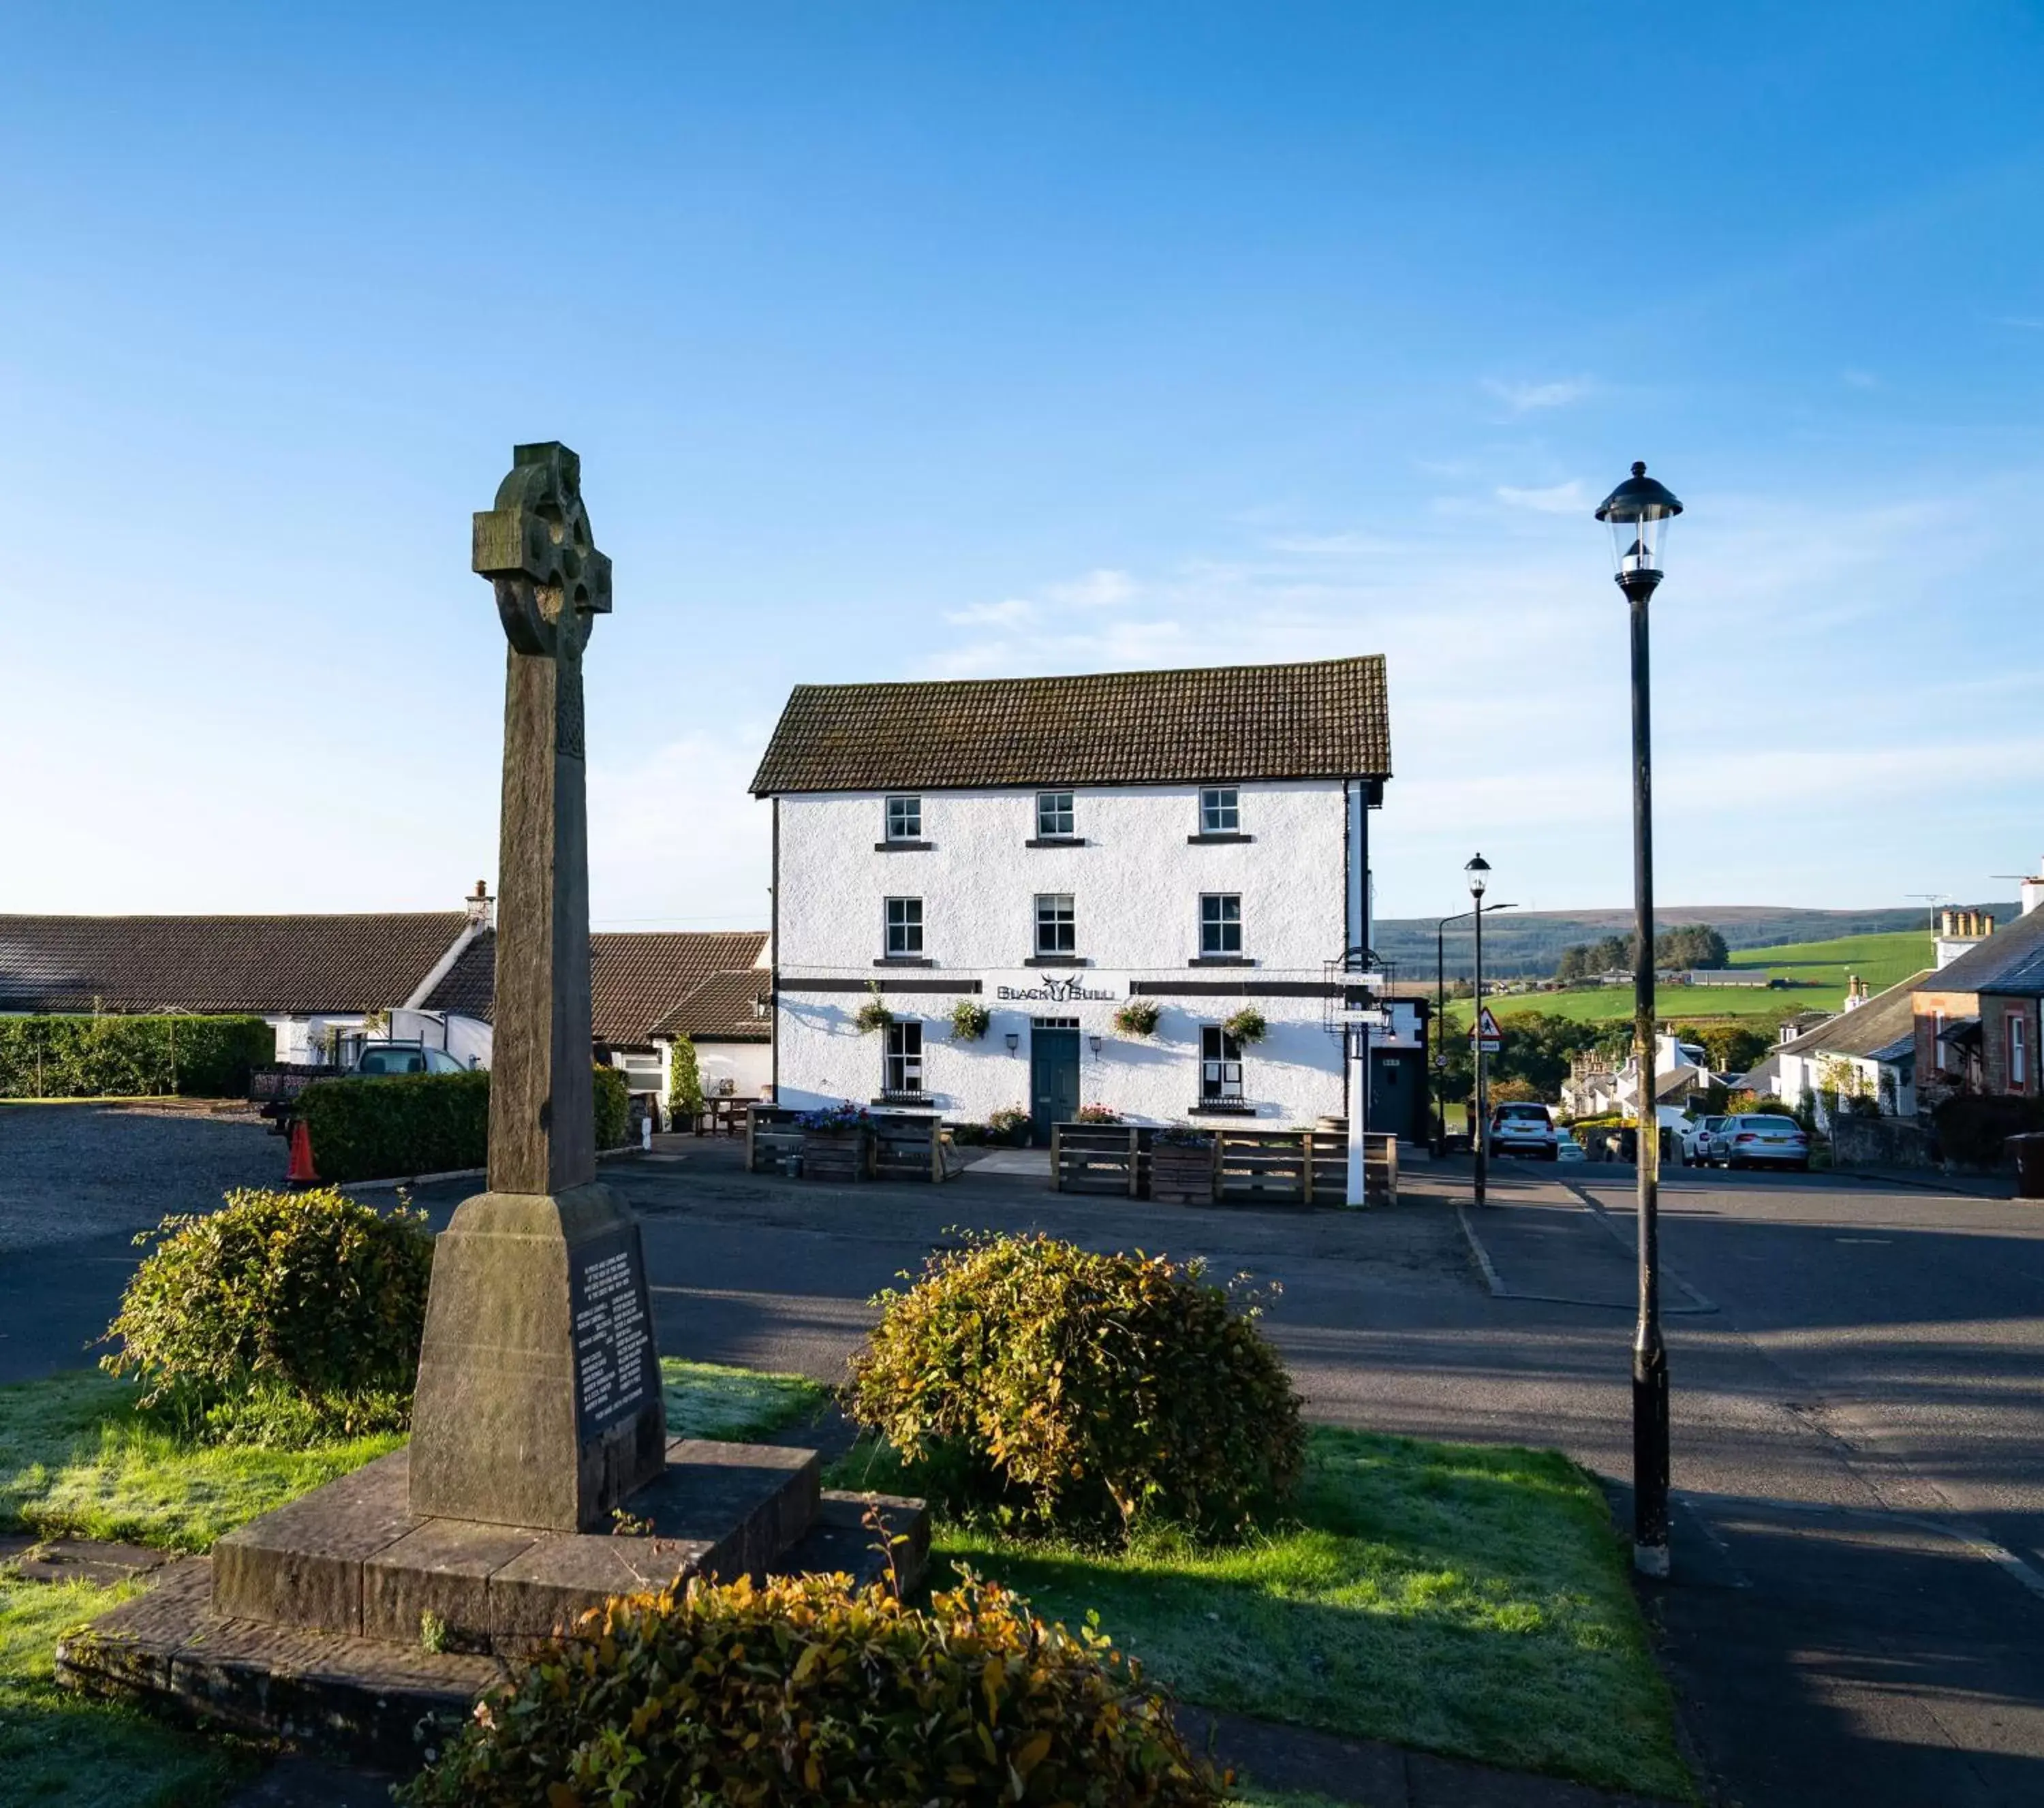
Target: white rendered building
(1053, 850)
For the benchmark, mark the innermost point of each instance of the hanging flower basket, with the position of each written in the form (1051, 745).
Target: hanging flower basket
(1247, 1026)
(970, 1022)
(874, 1014)
(1138, 1017)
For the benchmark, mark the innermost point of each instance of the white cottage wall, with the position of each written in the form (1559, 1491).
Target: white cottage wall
(1136, 884)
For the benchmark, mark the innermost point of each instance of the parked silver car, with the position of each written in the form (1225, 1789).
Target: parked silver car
(379, 1059)
(1759, 1140)
(1713, 1142)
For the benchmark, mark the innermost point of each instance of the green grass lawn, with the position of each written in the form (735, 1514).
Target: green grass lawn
(58, 1748)
(1470, 1601)
(76, 1461)
(1816, 971)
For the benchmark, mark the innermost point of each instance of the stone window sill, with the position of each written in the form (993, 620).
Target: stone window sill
(1220, 961)
(922, 1099)
(903, 846)
(1223, 1108)
(1057, 960)
(903, 960)
(1056, 841)
(1229, 835)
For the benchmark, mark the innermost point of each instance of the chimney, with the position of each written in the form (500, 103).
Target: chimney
(2033, 890)
(482, 907)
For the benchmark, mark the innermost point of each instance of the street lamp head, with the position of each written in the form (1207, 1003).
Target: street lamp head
(1639, 513)
(1479, 875)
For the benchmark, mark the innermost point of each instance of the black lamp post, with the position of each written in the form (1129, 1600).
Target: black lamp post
(1640, 513)
(1479, 876)
(1441, 1012)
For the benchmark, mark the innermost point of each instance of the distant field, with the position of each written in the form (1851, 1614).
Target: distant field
(1816, 970)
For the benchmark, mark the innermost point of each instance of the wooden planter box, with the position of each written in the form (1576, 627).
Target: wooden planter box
(840, 1155)
(1179, 1176)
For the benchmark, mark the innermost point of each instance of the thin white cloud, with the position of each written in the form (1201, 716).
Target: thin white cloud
(1011, 611)
(1096, 589)
(1859, 379)
(2023, 321)
(1556, 499)
(1335, 545)
(1524, 398)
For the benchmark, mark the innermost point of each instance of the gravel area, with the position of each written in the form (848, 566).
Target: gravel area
(72, 1172)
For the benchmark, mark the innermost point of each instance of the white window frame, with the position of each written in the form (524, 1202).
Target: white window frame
(1938, 1042)
(1057, 929)
(901, 929)
(1221, 809)
(1220, 1065)
(1057, 815)
(1220, 933)
(901, 1063)
(2018, 1035)
(904, 816)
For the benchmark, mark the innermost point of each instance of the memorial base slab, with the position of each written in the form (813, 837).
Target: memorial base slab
(345, 1622)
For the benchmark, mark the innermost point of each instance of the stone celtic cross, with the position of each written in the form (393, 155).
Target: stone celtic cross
(539, 1397)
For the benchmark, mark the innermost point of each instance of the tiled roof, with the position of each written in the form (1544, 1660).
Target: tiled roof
(1327, 719)
(280, 965)
(721, 1010)
(1866, 1030)
(1978, 968)
(636, 978)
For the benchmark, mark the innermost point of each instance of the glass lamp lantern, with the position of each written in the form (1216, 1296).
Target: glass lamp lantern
(1479, 876)
(1639, 513)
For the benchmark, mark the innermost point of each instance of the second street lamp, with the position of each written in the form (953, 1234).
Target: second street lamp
(1441, 1017)
(1479, 876)
(1639, 513)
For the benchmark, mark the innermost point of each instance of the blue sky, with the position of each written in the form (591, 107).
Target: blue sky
(924, 340)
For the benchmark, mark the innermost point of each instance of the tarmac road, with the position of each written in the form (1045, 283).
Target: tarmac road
(1858, 1609)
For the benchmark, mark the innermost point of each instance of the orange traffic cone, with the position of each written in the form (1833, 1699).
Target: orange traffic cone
(302, 1153)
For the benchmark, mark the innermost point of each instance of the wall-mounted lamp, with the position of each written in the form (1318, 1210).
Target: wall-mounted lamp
(1014, 1040)
(1095, 1041)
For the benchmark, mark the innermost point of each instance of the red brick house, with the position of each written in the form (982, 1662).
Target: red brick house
(1976, 1019)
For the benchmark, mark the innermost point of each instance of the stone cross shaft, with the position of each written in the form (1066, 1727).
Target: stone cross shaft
(538, 1399)
(535, 548)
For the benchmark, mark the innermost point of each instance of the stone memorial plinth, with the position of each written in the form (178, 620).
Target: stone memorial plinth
(540, 1480)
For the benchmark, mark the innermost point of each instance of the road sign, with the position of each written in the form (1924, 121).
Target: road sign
(1366, 1016)
(1485, 1032)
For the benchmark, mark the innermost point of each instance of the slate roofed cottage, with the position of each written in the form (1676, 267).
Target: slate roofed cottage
(1054, 849)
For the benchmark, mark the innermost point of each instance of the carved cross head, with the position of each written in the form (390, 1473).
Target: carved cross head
(535, 548)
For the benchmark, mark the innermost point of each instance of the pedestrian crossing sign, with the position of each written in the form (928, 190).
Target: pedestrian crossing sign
(1485, 1032)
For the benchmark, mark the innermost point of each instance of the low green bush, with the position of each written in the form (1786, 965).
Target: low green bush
(112, 1057)
(1062, 1391)
(808, 1691)
(279, 1318)
(425, 1124)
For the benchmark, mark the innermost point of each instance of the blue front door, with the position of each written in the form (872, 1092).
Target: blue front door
(1054, 1081)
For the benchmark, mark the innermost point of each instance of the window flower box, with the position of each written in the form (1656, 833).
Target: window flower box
(837, 1144)
(1182, 1168)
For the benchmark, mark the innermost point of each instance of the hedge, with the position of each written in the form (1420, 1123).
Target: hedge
(117, 1056)
(1972, 1128)
(424, 1124)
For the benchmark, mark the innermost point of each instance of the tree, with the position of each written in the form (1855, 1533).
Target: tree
(685, 1099)
(1733, 1048)
(1693, 945)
